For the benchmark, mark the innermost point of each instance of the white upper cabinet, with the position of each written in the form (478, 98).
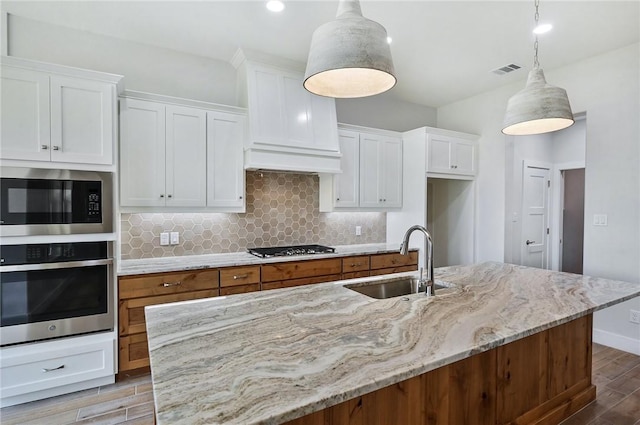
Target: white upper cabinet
(289, 128)
(180, 156)
(163, 155)
(26, 128)
(346, 184)
(57, 114)
(371, 177)
(142, 153)
(186, 157)
(225, 171)
(82, 121)
(380, 171)
(451, 155)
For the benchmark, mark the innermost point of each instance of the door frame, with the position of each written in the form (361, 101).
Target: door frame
(545, 166)
(557, 186)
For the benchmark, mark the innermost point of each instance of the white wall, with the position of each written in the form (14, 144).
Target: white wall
(383, 111)
(607, 88)
(146, 68)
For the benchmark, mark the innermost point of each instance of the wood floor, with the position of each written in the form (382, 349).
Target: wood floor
(130, 401)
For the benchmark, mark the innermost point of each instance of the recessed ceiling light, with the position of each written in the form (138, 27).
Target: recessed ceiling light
(275, 5)
(542, 28)
(389, 40)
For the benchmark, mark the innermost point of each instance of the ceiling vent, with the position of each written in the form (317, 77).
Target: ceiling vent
(506, 69)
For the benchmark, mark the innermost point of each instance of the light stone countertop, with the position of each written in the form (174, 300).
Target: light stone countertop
(272, 356)
(194, 262)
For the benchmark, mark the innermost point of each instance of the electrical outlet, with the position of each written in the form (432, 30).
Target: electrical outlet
(358, 230)
(164, 238)
(175, 238)
(634, 316)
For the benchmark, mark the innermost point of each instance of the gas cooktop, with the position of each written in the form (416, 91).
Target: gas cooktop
(284, 251)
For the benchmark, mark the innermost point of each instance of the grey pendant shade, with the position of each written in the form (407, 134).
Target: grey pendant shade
(538, 108)
(349, 56)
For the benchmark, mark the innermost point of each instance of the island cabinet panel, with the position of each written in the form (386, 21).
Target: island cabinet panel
(513, 384)
(393, 263)
(522, 376)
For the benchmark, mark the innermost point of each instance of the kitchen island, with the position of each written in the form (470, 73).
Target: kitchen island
(338, 356)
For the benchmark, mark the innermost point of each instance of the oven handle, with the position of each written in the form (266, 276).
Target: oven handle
(53, 266)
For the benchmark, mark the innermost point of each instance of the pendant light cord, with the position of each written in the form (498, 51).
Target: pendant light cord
(536, 63)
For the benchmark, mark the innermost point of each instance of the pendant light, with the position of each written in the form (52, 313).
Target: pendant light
(539, 107)
(349, 56)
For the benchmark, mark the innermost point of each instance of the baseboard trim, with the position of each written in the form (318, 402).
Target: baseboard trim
(619, 342)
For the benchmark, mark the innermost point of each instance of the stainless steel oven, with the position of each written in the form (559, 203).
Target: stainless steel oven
(54, 202)
(55, 289)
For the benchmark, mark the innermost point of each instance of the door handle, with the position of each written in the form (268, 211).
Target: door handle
(528, 242)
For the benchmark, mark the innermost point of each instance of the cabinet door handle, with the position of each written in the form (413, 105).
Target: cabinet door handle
(162, 196)
(45, 370)
(44, 147)
(528, 242)
(169, 284)
(168, 196)
(337, 199)
(240, 197)
(240, 276)
(56, 148)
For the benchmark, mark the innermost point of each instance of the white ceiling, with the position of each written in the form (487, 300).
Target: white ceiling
(443, 50)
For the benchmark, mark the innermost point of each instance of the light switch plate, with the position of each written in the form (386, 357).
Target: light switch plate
(164, 238)
(175, 238)
(599, 219)
(358, 230)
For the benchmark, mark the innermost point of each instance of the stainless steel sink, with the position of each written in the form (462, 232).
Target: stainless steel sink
(391, 288)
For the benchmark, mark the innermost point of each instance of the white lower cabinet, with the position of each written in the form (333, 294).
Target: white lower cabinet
(371, 177)
(44, 369)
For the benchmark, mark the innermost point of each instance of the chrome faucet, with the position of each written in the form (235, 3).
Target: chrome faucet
(428, 259)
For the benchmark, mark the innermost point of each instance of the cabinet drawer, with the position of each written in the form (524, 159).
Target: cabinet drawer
(301, 269)
(167, 283)
(234, 276)
(131, 311)
(355, 264)
(134, 352)
(384, 261)
(354, 275)
(392, 270)
(241, 289)
(41, 366)
(298, 282)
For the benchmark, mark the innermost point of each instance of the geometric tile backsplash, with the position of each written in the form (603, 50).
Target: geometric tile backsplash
(282, 209)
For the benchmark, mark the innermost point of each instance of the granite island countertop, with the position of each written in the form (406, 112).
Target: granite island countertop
(210, 261)
(273, 356)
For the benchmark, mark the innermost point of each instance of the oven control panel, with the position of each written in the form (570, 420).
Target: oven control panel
(52, 253)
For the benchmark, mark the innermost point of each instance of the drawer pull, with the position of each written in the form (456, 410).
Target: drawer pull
(45, 370)
(169, 284)
(356, 264)
(241, 276)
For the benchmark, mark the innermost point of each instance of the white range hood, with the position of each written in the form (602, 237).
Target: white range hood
(290, 129)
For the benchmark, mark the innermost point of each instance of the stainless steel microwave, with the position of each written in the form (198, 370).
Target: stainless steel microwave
(54, 202)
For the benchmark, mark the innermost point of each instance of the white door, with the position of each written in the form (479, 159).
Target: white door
(370, 171)
(225, 167)
(142, 153)
(346, 185)
(82, 113)
(391, 183)
(536, 183)
(25, 115)
(186, 162)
